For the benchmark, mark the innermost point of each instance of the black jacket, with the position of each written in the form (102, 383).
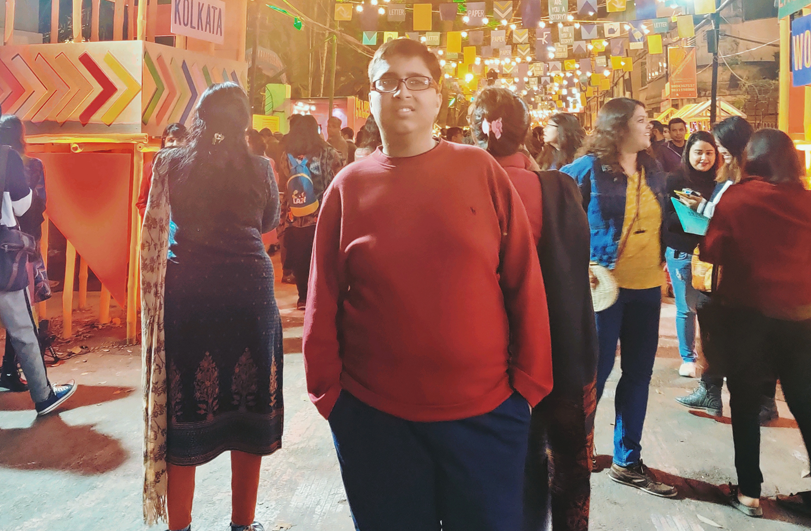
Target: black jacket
(674, 236)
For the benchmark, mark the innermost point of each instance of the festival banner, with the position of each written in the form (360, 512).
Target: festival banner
(454, 44)
(447, 12)
(369, 38)
(615, 6)
(704, 7)
(617, 47)
(580, 48)
(389, 36)
(636, 35)
(503, 10)
(655, 44)
(343, 12)
(520, 36)
(558, 10)
(588, 32)
(682, 62)
(661, 25)
(469, 55)
(422, 17)
(530, 13)
(566, 35)
(686, 27)
(586, 8)
(498, 38)
(789, 7)
(646, 9)
(611, 29)
(395, 13)
(524, 51)
(561, 51)
(475, 13)
(801, 51)
(475, 38)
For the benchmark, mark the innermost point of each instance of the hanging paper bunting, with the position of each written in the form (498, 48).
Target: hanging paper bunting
(611, 29)
(617, 47)
(454, 42)
(605, 84)
(654, 44)
(561, 51)
(628, 65)
(600, 61)
(617, 63)
(586, 8)
(487, 52)
(615, 6)
(540, 49)
(369, 38)
(475, 13)
(585, 66)
(599, 45)
(524, 51)
(503, 10)
(533, 82)
(570, 64)
(554, 66)
(433, 38)
(422, 17)
(461, 71)
(475, 38)
(469, 56)
(477, 69)
(646, 9)
(520, 36)
(661, 25)
(636, 35)
(686, 27)
(498, 38)
(544, 35)
(523, 69)
(396, 13)
(413, 35)
(506, 52)
(530, 13)
(368, 20)
(546, 80)
(588, 32)
(704, 7)
(389, 36)
(566, 35)
(558, 10)
(507, 68)
(580, 48)
(343, 12)
(447, 12)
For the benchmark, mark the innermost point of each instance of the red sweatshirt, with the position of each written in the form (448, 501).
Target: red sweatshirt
(760, 234)
(519, 167)
(426, 299)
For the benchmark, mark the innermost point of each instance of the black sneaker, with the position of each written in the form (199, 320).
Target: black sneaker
(768, 411)
(13, 382)
(59, 393)
(706, 398)
(256, 526)
(640, 477)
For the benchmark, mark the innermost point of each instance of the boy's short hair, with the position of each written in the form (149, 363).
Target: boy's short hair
(657, 125)
(406, 48)
(674, 121)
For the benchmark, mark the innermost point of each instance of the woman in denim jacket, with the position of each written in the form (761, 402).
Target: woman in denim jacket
(623, 191)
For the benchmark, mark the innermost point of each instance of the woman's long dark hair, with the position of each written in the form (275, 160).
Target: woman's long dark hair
(570, 139)
(12, 133)
(216, 139)
(304, 140)
(498, 103)
(772, 156)
(610, 131)
(733, 134)
(692, 174)
(371, 134)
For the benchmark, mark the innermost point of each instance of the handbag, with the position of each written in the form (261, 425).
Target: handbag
(15, 245)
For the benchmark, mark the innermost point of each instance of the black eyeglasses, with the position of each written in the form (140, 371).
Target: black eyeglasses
(391, 84)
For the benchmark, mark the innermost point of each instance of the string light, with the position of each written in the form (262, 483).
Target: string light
(512, 26)
(570, 18)
(560, 24)
(541, 24)
(359, 8)
(382, 10)
(374, 2)
(465, 19)
(576, 24)
(464, 35)
(503, 21)
(485, 21)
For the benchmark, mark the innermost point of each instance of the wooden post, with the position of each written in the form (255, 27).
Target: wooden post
(77, 21)
(131, 16)
(104, 305)
(54, 22)
(135, 240)
(784, 77)
(151, 20)
(141, 20)
(94, 20)
(118, 21)
(67, 292)
(43, 249)
(82, 283)
(9, 26)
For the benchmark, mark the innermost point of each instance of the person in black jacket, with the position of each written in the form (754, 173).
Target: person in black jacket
(699, 164)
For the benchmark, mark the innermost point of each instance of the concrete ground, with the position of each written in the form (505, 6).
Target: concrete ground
(80, 469)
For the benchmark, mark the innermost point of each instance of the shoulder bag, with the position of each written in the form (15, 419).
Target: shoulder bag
(15, 245)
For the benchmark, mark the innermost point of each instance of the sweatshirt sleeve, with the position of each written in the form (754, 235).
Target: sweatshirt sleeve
(712, 247)
(322, 358)
(524, 298)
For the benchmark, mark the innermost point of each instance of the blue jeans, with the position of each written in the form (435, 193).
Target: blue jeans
(633, 321)
(400, 475)
(681, 276)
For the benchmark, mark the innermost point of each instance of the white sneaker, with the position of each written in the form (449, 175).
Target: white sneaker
(688, 369)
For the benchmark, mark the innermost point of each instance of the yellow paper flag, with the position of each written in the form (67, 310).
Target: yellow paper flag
(616, 63)
(704, 7)
(615, 6)
(343, 12)
(599, 45)
(390, 36)
(654, 44)
(605, 84)
(596, 80)
(454, 42)
(422, 17)
(461, 71)
(470, 55)
(570, 64)
(686, 27)
(589, 92)
(628, 65)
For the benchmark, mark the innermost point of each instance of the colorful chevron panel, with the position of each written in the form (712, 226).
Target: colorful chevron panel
(92, 88)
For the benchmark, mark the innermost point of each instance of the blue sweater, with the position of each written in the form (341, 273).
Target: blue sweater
(604, 191)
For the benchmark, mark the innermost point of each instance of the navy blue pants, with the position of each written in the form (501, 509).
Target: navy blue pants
(462, 475)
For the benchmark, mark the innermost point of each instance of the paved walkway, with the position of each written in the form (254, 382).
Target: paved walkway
(81, 469)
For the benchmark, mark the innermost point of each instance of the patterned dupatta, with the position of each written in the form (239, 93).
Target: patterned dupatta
(154, 255)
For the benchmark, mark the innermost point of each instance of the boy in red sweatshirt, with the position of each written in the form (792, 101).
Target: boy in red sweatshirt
(426, 335)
